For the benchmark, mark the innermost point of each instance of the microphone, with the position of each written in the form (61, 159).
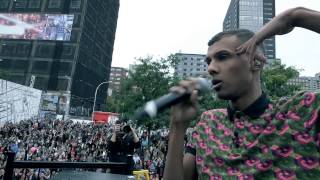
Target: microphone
(153, 107)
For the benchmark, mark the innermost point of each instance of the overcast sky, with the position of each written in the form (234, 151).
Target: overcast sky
(161, 27)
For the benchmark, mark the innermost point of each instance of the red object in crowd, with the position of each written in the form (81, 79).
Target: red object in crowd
(103, 117)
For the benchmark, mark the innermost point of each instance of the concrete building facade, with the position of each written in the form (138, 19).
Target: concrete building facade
(190, 65)
(117, 74)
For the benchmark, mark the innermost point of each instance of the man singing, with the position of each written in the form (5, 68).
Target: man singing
(252, 138)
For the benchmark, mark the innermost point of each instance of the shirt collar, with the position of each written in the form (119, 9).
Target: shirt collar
(255, 110)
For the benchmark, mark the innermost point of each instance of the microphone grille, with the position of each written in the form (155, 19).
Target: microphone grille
(204, 85)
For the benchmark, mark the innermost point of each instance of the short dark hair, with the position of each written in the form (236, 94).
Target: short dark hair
(242, 34)
(119, 121)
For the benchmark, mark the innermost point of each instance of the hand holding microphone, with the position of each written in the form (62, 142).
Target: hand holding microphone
(185, 111)
(184, 96)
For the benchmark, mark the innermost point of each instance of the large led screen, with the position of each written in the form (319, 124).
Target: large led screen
(55, 27)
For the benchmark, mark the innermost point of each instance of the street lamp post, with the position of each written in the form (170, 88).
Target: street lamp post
(95, 96)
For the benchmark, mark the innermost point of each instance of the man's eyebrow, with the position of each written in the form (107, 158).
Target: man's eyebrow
(216, 54)
(222, 51)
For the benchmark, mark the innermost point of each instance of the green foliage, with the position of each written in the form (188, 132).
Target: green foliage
(113, 104)
(275, 81)
(151, 79)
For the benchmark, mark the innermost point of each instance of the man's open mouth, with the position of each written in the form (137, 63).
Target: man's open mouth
(216, 84)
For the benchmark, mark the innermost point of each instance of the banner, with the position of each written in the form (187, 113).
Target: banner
(104, 117)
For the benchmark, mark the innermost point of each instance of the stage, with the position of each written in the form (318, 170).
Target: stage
(81, 175)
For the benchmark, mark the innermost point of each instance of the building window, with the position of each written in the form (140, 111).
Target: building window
(54, 4)
(20, 4)
(45, 50)
(68, 51)
(23, 50)
(185, 63)
(4, 4)
(75, 4)
(34, 4)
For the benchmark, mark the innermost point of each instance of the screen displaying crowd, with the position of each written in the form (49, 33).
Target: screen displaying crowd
(36, 26)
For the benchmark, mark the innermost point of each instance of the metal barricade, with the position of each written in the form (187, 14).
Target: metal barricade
(11, 164)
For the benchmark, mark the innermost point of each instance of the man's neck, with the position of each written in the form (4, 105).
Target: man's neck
(246, 100)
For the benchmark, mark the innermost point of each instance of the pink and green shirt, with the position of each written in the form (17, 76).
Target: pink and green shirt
(265, 141)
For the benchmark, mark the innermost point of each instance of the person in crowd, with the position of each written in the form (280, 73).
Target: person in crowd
(122, 143)
(252, 138)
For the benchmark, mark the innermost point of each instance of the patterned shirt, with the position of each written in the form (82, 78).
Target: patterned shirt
(265, 141)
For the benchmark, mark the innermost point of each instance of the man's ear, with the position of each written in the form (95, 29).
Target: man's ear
(258, 62)
(256, 65)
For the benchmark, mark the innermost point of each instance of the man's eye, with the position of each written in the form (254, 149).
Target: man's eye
(223, 56)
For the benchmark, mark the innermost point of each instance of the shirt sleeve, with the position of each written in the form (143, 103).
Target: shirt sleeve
(190, 150)
(192, 144)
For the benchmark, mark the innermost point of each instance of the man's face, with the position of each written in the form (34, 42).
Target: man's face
(231, 73)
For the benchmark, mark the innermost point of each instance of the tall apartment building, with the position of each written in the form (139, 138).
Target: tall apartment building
(76, 66)
(190, 65)
(307, 83)
(252, 15)
(117, 74)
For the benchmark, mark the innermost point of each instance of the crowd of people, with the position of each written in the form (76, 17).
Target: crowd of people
(55, 140)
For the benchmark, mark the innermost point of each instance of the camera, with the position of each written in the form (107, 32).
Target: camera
(126, 129)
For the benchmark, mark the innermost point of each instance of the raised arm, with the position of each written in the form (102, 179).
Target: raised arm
(283, 24)
(287, 20)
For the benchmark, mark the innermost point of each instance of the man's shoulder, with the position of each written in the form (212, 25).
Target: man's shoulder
(213, 115)
(214, 111)
(302, 99)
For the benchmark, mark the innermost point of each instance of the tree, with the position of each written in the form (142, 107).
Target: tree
(275, 81)
(151, 79)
